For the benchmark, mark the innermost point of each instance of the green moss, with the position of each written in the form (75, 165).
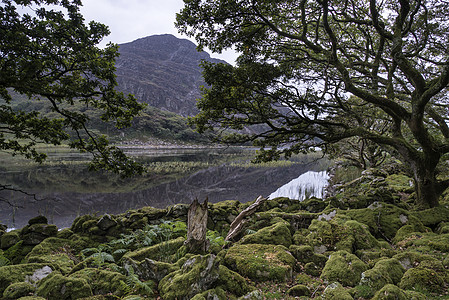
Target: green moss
(335, 291)
(16, 273)
(57, 286)
(414, 295)
(216, 293)
(61, 261)
(78, 225)
(102, 281)
(162, 251)
(354, 236)
(299, 291)
(400, 183)
(31, 298)
(18, 289)
(261, 262)
(343, 267)
(390, 292)
(17, 253)
(422, 279)
(198, 273)
(150, 269)
(305, 254)
(384, 220)
(9, 239)
(232, 282)
(277, 234)
(433, 216)
(386, 271)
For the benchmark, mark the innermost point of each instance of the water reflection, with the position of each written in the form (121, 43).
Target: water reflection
(217, 182)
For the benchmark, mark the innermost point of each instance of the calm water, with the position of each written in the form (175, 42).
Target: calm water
(67, 191)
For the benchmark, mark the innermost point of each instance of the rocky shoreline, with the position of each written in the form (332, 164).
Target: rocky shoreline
(364, 242)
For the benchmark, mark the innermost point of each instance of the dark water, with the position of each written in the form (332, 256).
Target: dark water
(220, 182)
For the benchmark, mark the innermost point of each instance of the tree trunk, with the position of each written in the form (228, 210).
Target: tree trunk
(197, 227)
(428, 189)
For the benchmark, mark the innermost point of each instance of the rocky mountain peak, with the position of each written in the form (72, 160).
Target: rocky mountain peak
(163, 71)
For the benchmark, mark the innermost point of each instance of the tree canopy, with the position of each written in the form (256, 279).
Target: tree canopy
(318, 72)
(48, 53)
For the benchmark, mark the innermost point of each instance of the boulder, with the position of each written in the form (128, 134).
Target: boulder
(261, 262)
(197, 274)
(149, 269)
(57, 286)
(276, 234)
(343, 267)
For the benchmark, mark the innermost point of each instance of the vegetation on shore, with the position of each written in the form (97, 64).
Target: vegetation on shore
(365, 241)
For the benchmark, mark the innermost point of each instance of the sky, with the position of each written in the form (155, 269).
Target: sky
(129, 20)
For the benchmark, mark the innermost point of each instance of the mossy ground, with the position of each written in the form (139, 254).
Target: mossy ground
(365, 242)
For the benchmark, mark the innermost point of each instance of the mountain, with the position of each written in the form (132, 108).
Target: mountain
(163, 71)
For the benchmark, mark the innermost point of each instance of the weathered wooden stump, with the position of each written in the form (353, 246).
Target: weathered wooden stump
(197, 227)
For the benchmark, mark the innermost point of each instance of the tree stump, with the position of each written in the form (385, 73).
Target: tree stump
(197, 227)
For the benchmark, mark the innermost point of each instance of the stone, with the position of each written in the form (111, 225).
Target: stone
(18, 290)
(261, 262)
(276, 234)
(390, 291)
(422, 279)
(106, 222)
(198, 274)
(38, 220)
(57, 286)
(335, 291)
(9, 239)
(149, 269)
(299, 291)
(343, 267)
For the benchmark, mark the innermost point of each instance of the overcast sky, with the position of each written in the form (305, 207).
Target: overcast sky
(129, 20)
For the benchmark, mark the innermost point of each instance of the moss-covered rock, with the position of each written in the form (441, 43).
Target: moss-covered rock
(422, 279)
(390, 292)
(305, 254)
(276, 234)
(384, 219)
(232, 282)
(261, 262)
(9, 239)
(216, 294)
(17, 253)
(344, 267)
(159, 252)
(386, 271)
(20, 273)
(354, 236)
(299, 291)
(198, 274)
(18, 289)
(335, 291)
(149, 269)
(102, 281)
(57, 286)
(35, 233)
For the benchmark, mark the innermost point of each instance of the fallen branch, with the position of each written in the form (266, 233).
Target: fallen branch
(239, 221)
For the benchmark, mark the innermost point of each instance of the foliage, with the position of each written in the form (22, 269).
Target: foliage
(49, 55)
(316, 73)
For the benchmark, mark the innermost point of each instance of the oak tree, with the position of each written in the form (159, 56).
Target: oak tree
(318, 72)
(49, 54)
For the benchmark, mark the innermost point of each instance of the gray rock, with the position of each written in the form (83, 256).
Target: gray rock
(106, 222)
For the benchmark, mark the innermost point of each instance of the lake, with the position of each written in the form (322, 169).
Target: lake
(64, 188)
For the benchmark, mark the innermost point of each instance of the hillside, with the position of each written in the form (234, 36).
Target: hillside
(162, 71)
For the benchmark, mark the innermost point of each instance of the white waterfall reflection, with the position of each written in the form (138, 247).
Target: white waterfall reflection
(309, 184)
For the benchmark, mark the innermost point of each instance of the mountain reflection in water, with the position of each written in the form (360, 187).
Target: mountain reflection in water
(217, 183)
